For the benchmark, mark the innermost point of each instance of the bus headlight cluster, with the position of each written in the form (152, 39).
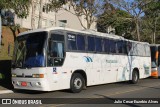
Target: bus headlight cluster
(38, 84)
(38, 75)
(14, 75)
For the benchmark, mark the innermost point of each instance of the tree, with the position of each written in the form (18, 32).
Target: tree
(81, 8)
(151, 18)
(116, 18)
(54, 5)
(33, 5)
(86, 8)
(19, 7)
(40, 14)
(134, 8)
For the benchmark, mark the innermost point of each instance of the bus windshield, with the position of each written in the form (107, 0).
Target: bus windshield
(29, 50)
(153, 56)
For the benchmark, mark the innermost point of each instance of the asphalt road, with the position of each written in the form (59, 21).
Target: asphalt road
(146, 88)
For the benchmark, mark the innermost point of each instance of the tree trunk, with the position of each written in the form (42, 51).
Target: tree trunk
(87, 20)
(88, 25)
(14, 33)
(40, 14)
(154, 32)
(55, 19)
(33, 15)
(154, 36)
(152, 40)
(137, 30)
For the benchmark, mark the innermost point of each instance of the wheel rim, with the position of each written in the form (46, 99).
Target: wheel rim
(77, 83)
(135, 77)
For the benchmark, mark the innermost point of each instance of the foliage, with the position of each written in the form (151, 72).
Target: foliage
(151, 20)
(20, 7)
(116, 18)
(54, 5)
(138, 18)
(134, 8)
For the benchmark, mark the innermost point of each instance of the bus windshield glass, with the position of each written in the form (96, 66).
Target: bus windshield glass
(153, 56)
(29, 50)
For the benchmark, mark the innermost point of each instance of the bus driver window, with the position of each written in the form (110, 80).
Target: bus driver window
(56, 52)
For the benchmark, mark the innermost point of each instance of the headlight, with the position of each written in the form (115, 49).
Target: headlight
(14, 75)
(38, 75)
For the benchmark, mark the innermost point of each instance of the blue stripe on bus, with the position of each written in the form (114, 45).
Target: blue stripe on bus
(88, 59)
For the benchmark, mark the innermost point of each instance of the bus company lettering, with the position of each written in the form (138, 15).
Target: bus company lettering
(111, 61)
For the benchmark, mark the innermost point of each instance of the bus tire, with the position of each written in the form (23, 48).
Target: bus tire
(77, 83)
(135, 77)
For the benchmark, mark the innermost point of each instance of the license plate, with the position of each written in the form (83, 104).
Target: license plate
(23, 83)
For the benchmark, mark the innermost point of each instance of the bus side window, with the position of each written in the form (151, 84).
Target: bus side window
(148, 53)
(125, 47)
(106, 45)
(71, 38)
(80, 42)
(141, 50)
(144, 46)
(129, 47)
(112, 46)
(120, 47)
(91, 44)
(98, 44)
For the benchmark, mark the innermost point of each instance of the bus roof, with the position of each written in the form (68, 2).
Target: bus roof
(137, 41)
(154, 44)
(81, 31)
(73, 30)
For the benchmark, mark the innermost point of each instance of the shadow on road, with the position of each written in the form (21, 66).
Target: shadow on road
(38, 92)
(29, 91)
(5, 74)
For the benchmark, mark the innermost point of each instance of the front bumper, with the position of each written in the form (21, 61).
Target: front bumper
(39, 84)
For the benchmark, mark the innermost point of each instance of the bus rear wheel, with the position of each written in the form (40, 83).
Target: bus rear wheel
(135, 77)
(77, 83)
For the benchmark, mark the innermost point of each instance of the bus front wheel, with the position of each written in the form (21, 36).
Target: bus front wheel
(135, 77)
(77, 83)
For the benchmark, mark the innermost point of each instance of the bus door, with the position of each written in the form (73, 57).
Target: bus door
(55, 57)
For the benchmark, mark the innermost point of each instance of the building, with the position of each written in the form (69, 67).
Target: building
(52, 19)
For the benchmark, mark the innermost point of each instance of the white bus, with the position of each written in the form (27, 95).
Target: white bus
(61, 58)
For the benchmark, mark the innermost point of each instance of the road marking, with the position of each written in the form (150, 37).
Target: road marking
(6, 91)
(116, 93)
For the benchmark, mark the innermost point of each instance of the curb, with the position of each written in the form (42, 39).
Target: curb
(6, 91)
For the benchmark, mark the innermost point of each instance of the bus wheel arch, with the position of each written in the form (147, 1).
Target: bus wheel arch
(135, 76)
(78, 77)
